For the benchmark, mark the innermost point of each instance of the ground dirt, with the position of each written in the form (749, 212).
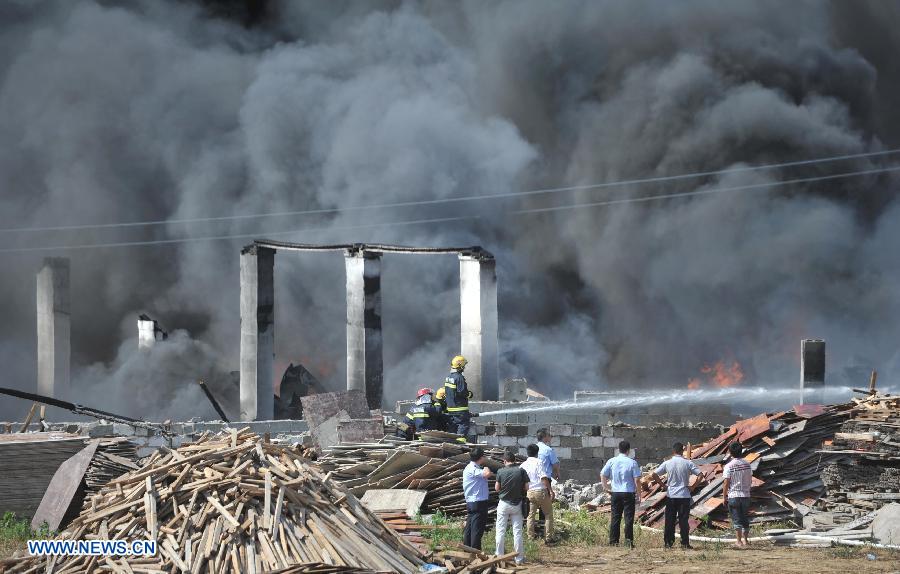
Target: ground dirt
(762, 558)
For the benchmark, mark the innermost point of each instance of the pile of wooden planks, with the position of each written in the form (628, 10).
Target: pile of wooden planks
(461, 559)
(28, 462)
(784, 451)
(430, 464)
(869, 475)
(231, 503)
(114, 457)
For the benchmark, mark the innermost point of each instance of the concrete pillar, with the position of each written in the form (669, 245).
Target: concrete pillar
(149, 332)
(812, 371)
(478, 322)
(365, 365)
(257, 333)
(53, 328)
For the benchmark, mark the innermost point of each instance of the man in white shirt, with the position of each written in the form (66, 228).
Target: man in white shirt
(539, 491)
(736, 492)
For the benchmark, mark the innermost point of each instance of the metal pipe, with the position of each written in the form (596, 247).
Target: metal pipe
(213, 400)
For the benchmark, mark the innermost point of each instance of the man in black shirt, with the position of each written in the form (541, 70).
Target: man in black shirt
(512, 485)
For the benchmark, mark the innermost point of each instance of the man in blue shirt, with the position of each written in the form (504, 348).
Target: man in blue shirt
(678, 471)
(475, 487)
(550, 464)
(625, 475)
(546, 454)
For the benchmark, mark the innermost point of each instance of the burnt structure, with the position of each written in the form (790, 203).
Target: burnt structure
(365, 368)
(812, 370)
(150, 332)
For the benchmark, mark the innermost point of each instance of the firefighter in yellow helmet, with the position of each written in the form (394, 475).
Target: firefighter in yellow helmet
(457, 397)
(440, 401)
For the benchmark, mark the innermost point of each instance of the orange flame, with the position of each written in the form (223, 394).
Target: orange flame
(722, 375)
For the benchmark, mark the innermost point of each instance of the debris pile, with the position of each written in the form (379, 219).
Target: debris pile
(29, 461)
(868, 476)
(464, 560)
(573, 495)
(785, 452)
(231, 503)
(432, 464)
(114, 457)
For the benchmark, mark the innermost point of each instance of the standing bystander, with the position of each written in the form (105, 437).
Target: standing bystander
(512, 485)
(539, 490)
(550, 462)
(736, 492)
(678, 471)
(625, 474)
(475, 487)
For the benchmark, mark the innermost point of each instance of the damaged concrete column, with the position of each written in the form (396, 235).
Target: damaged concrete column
(812, 371)
(149, 332)
(478, 325)
(53, 328)
(257, 333)
(365, 366)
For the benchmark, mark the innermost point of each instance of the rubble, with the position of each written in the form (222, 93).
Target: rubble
(231, 502)
(296, 383)
(795, 455)
(886, 524)
(574, 496)
(868, 476)
(432, 464)
(783, 451)
(340, 417)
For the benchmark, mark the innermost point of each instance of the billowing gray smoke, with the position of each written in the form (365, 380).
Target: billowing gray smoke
(171, 110)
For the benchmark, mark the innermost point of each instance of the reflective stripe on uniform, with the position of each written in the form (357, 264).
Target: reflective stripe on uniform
(457, 409)
(417, 415)
(450, 385)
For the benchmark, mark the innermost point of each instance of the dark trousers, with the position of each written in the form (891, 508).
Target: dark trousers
(677, 509)
(476, 522)
(739, 508)
(622, 502)
(459, 424)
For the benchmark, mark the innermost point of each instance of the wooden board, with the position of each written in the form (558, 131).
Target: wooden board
(63, 486)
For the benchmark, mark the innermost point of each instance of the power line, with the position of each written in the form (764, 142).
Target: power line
(237, 236)
(463, 218)
(437, 201)
(710, 191)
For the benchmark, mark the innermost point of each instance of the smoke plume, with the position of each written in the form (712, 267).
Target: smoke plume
(171, 110)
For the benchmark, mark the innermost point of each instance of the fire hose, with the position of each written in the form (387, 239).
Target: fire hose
(785, 538)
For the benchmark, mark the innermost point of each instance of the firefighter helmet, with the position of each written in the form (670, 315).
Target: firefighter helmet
(424, 391)
(458, 362)
(441, 394)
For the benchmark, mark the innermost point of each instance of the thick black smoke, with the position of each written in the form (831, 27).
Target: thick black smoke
(169, 110)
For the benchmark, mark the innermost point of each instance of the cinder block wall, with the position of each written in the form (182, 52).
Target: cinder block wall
(584, 448)
(584, 439)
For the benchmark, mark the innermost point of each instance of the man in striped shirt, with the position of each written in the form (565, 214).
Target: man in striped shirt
(736, 492)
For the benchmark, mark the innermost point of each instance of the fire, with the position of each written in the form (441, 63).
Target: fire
(722, 375)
